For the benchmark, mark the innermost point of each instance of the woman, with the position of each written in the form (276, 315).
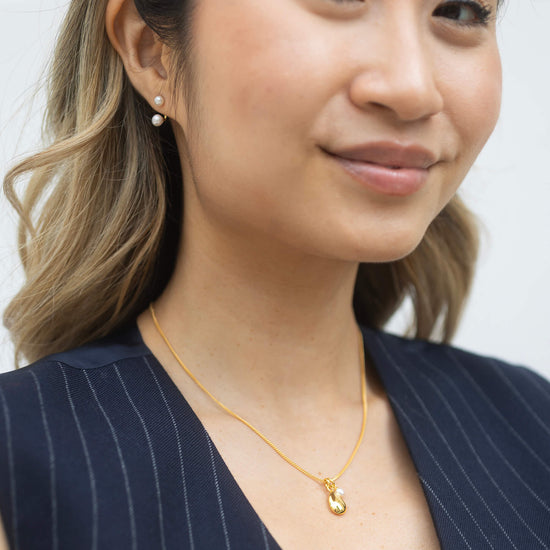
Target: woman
(275, 178)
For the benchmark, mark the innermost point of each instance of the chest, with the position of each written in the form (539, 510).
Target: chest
(397, 519)
(386, 506)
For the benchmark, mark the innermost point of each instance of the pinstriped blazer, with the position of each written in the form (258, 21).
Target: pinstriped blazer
(99, 450)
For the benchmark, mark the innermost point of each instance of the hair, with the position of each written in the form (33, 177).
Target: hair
(101, 214)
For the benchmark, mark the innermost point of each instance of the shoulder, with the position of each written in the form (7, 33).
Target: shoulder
(423, 355)
(51, 378)
(73, 406)
(490, 387)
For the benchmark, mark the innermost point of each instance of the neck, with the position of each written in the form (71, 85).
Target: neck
(276, 330)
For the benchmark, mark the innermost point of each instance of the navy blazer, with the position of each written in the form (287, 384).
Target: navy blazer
(99, 450)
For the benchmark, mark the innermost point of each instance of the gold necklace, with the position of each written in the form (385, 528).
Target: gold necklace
(335, 501)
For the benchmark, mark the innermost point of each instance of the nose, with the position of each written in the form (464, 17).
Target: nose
(398, 75)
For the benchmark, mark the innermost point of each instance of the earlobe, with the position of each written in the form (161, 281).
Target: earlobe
(138, 46)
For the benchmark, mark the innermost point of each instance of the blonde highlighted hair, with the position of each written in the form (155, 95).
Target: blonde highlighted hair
(100, 216)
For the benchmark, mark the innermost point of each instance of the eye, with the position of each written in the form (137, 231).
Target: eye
(467, 13)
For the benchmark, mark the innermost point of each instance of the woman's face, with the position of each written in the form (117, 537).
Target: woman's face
(409, 88)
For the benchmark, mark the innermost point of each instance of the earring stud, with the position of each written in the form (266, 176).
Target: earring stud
(158, 119)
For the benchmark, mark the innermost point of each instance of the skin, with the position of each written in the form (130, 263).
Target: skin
(3, 538)
(259, 307)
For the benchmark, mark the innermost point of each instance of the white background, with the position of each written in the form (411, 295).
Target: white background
(509, 187)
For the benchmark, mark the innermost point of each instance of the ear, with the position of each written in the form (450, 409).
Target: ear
(142, 53)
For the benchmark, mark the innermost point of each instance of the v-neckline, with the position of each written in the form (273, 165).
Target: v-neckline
(369, 336)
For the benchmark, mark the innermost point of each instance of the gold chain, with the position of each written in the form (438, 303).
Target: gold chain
(328, 482)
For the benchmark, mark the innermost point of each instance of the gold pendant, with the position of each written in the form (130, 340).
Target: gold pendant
(335, 501)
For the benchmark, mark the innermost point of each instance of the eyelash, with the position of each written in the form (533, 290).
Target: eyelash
(483, 13)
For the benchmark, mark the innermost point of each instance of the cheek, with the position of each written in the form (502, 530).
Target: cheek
(473, 98)
(260, 90)
(259, 78)
(472, 90)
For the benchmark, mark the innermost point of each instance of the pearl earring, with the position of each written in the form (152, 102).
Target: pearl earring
(158, 119)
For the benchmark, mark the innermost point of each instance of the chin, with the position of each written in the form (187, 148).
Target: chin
(369, 250)
(388, 253)
(384, 244)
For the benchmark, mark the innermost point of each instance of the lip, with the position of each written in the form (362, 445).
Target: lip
(388, 153)
(387, 167)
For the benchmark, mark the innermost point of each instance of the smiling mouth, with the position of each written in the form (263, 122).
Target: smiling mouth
(394, 180)
(392, 155)
(387, 166)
